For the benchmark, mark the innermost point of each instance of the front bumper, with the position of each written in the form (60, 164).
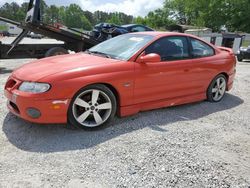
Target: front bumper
(51, 110)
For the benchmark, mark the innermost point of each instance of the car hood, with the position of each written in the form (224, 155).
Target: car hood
(42, 68)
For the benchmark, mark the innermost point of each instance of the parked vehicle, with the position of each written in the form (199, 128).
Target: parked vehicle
(104, 31)
(244, 53)
(4, 33)
(136, 28)
(13, 29)
(121, 76)
(34, 35)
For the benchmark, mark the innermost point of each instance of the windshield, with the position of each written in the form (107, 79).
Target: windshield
(122, 47)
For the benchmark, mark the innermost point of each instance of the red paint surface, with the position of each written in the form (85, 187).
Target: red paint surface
(152, 85)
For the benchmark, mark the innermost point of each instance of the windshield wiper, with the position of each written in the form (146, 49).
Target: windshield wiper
(99, 53)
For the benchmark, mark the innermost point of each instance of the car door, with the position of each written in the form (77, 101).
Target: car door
(173, 77)
(204, 64)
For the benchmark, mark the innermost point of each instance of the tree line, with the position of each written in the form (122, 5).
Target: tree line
(231, 14)
(71, 16)
(214, 14)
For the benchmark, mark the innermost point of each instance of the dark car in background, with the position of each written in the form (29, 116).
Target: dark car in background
(243, 53)
(104, 31)
(5, 33)
(136, 28)
(34, 35)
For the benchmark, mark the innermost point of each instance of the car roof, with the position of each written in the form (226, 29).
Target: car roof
(129, 25)
(159, 34)
(162, 33)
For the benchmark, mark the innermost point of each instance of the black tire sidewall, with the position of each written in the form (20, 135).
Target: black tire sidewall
(209, 90)
(103, 88)
(239, 58)
(54, 50)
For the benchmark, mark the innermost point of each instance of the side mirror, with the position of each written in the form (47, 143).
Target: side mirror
(149, 58)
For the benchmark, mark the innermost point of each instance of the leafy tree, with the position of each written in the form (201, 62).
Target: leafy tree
(101, 16)
(90, 16)
(124, 18)
(140, 20)
(75, 18)
(71, 16)
(52, 15)
(158, 19)
(238, 13)
(10, 11)
(234, 14)
(115, 19)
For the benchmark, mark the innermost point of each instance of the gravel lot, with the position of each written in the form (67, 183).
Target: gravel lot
(196, 145)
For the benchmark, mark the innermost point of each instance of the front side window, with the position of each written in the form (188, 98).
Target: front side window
(170, 48)
(201, 49)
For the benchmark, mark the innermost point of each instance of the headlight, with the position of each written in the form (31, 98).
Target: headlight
(34, 87)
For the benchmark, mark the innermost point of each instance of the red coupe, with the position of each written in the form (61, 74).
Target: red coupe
(121, 76)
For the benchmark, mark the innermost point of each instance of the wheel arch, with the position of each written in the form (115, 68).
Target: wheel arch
(227, 77)
(223, 73)
(115, 91)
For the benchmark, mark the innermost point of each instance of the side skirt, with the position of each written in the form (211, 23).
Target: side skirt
(134, 109)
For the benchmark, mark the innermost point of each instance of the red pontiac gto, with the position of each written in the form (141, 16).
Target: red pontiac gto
(124, 75)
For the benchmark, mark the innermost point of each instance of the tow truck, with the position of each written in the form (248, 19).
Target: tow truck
(73, 39)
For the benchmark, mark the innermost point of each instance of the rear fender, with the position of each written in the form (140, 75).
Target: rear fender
(229, 50)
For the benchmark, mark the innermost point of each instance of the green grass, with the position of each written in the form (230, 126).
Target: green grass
(245, 43)
(3, 28)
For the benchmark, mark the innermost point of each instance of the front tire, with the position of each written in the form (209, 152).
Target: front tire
(92, 107)
(217, 88)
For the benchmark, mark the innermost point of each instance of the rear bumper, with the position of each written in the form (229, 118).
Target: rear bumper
(51, 111)
(231, 81)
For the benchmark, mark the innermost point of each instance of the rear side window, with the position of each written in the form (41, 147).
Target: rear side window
(170, 48)
(201, 49)
(138, 29)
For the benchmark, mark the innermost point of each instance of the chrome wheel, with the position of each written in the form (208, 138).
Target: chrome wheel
(219, 88)
(92, 108)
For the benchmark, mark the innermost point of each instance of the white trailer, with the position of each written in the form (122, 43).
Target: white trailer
(13, 29)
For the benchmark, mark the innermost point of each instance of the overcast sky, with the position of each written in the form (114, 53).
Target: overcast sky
(132, 7)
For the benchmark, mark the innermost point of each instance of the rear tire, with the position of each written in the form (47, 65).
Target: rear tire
(92, 107)
(217, 88)
(56, 51)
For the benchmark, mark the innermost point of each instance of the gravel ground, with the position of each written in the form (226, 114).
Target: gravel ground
(26, 40)
(195, 145)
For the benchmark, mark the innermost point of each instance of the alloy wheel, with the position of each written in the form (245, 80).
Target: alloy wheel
(219, 89)
(92, 108)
